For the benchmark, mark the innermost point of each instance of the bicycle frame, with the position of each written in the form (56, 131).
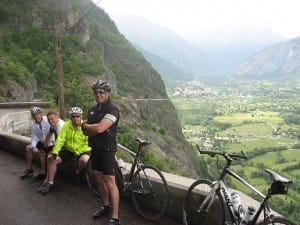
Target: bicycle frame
(136, 164)
(237, 177)
(221, 186)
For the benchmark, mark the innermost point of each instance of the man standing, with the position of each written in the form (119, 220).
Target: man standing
(70, 143)
(39, 130)
(101, 127)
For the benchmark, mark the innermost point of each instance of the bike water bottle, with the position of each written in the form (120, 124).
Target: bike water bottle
(237, 206)
(248, 216)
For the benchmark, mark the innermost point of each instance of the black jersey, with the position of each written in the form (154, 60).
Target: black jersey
(106, 141)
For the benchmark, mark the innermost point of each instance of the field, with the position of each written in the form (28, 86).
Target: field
(265, 125)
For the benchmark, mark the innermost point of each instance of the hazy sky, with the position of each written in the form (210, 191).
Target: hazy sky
(190, 17)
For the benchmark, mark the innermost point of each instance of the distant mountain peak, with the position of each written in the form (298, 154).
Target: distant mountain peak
(279, 60)
(162, 42)
(219, 52)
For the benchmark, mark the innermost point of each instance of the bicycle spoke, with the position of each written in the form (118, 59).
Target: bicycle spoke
(198, 210)
(149, 193)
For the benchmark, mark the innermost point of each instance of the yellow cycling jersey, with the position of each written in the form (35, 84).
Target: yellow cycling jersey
(72, 139)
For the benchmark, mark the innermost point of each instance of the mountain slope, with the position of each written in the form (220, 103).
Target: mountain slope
(226, 48)
(218, 52)
(167, 70)
(92, 48)
(280, 60)
(161, 42)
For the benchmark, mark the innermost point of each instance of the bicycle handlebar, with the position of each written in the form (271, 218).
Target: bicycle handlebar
(228, 156)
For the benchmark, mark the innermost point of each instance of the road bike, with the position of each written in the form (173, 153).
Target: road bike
(145, 184)
(210, 203)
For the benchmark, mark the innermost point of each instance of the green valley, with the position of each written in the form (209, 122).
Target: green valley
(260, 118)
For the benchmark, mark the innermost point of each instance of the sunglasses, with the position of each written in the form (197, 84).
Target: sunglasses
(76, 116)
(101, 92)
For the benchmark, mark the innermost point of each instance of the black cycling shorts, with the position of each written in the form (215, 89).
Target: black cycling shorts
(67, 155)
(48, 149)
(40, 146)
(103, 162)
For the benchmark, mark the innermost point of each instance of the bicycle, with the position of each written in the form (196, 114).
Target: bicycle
(207, 202)
(145, 184)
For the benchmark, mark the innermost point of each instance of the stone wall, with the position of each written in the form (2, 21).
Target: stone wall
(177, 185)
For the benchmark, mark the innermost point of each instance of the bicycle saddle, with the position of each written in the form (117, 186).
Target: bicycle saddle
(277, 178)
(142, 142)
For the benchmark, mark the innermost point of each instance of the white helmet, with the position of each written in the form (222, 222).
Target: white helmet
(35, 110)
(74, 110)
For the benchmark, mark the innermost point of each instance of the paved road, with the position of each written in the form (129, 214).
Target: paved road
(68, 204)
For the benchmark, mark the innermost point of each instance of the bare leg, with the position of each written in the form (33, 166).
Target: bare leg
(111, 185)
(102, 187)
(28, 154)
(52, 168)
(47, 171)
(42, 155)
(82, 162)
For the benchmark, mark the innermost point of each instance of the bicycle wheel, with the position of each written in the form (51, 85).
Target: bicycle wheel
(149, 193)
(276, 220)
(215, 215)
(90, 179)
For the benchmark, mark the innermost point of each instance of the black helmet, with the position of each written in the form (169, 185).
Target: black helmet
(35, 110)
(101, 84)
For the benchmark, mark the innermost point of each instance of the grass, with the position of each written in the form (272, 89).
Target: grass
(257, 143)
(268, 160)
(249, 130)
(252, 128)
(253, 117)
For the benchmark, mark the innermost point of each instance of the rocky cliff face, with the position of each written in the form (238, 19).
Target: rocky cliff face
(280, 60)
(11, 91)
(92, 48)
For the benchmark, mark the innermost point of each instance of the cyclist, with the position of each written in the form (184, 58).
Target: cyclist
(55, 126)
(39, 130)
(101, 127)
(70, 143)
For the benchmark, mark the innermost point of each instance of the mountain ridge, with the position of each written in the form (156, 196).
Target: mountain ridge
(167, 70)
(219, 53)
(161, 42)
(280, 60)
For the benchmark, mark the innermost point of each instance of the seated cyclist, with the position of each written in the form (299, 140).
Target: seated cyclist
(56, 123)
(70, 143)
(39, 130)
